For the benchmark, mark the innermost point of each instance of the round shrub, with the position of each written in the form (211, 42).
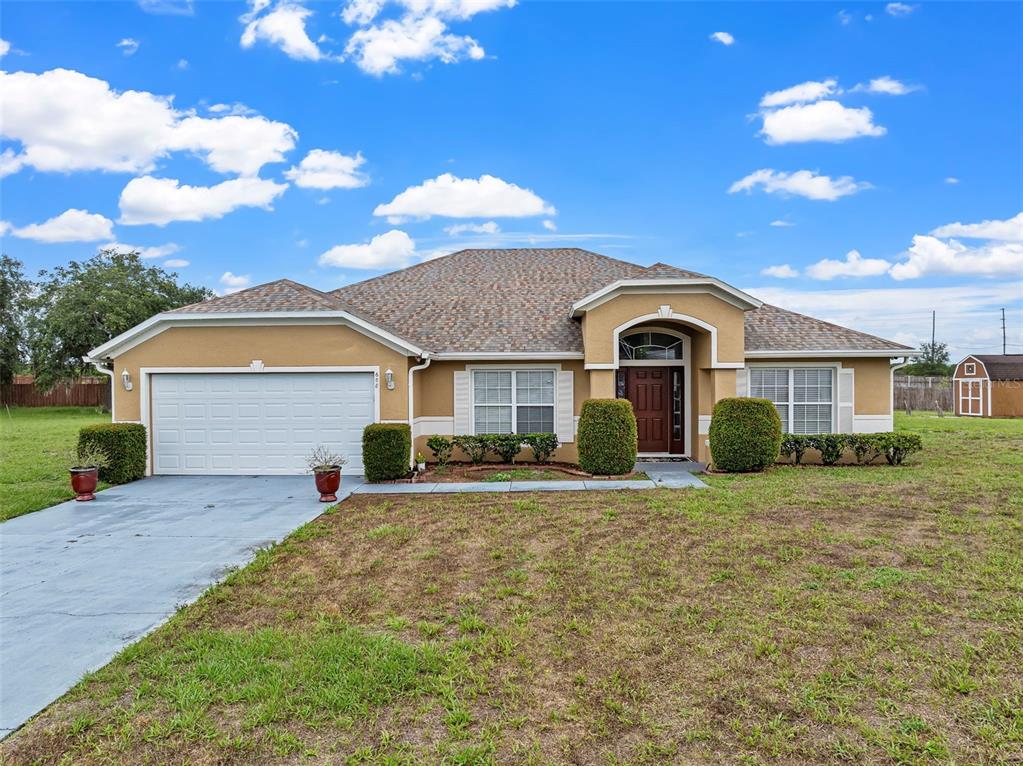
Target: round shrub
(124, 444)
(385, 450)
(745, 434)
(607, 437)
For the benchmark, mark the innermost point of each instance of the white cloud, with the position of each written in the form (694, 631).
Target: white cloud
(128, 46)
(10, 162)
(781, 223)
(845, 18)
(392, 250)
(723, 37)
(899, 9)
(961, 309)
(67, 121)
(162, 200)
(804, 183)
(167, 7)
(453, 197)
(454, 9)
(5, 47)
(951, 180)
(5, 227)
(282, 26)
(798, 94)
(819, 121)
(72, 225)
(490, 227)
(929, 255)
(887, 86)
(235, 144)
(182, 64)
(176, 263)
(361, 12)
(156, 251)
(854, 265)
(1010, 230)
(782, 271)
(379, 49)
(234, 282)
(321, 169)
(550, 225)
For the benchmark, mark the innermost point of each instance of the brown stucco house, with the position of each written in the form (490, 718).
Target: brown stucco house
(481, 341)
(989, 386)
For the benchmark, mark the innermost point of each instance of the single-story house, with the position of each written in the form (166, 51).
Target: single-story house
(989, 386)
(481, 341)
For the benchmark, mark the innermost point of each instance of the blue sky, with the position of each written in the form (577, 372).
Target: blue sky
(327, 142)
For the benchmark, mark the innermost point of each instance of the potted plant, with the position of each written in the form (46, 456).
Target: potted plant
(326, 468)
(84, 464)
(420, 462)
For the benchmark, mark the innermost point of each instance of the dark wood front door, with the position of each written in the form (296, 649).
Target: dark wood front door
(649, 390)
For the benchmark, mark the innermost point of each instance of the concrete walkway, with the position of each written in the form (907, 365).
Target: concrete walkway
(80, 581)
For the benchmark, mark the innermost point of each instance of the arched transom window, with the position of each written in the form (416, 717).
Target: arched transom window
(649, 345)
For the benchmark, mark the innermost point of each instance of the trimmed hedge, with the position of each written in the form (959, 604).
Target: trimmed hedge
(607, 437)
(124, 444)
(543, 445)
(895, 447)
(505, 446)
(745, 434)
(441, 448)
(474, 446)
(385, 450)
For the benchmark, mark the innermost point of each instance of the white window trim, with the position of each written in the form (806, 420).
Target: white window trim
(472, 369)
(657, 362)
(970, 369)
(791, 367)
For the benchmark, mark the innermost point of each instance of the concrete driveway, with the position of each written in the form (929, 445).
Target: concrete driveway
(80, 581)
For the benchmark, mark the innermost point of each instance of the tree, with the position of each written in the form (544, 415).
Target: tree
(83, 305)
(14, 291)
(934, 361)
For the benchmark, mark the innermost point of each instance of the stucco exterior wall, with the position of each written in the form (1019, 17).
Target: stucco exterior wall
(600, 322)
(276, 346)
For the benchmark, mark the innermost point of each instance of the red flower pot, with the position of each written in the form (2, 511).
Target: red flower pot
(83, 482)
(327, 483)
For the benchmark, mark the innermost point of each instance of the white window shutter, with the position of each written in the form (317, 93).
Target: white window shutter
(566, 407)
(846, 384)
(742, 382)
(463, 413)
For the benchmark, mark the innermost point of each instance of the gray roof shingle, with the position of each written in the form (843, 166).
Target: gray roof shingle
(515, 300)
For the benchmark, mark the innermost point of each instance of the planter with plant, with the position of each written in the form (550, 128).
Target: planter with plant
(84, 464)
(326, 466)
(420, 462)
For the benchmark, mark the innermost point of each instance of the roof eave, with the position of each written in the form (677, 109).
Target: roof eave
(732, 295)
(889, 353)
(159, 322)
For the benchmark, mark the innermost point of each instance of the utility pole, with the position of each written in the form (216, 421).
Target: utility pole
(1003, 332)
(934, 319)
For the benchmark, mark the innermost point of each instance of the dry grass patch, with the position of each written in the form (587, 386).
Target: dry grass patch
(800, 616)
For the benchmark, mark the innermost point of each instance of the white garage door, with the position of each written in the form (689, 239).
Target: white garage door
(258, 423)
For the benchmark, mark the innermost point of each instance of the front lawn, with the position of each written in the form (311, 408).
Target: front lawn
(33, 445)
(802, 616)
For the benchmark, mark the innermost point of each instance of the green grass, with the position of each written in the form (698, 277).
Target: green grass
(799, 616)
(33, 443)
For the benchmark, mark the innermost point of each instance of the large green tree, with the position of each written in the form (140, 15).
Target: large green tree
(933, 361)
(82, 305)
(14, 293)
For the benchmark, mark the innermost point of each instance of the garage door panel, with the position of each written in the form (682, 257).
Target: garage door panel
(257, 423)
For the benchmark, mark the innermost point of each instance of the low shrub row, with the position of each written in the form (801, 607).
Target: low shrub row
(895, 447)
(505, 447)
(123, 444)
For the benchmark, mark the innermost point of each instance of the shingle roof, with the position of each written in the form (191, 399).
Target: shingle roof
(515, 300)
(1002, 366)
(282, 295)
(770, 328)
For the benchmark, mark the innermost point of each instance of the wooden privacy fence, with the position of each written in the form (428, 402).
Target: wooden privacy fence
(85, 392)
(923, 393)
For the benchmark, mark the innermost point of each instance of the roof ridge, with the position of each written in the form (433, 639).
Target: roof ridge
(837, 326)
(326, 298)
(242, 291)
